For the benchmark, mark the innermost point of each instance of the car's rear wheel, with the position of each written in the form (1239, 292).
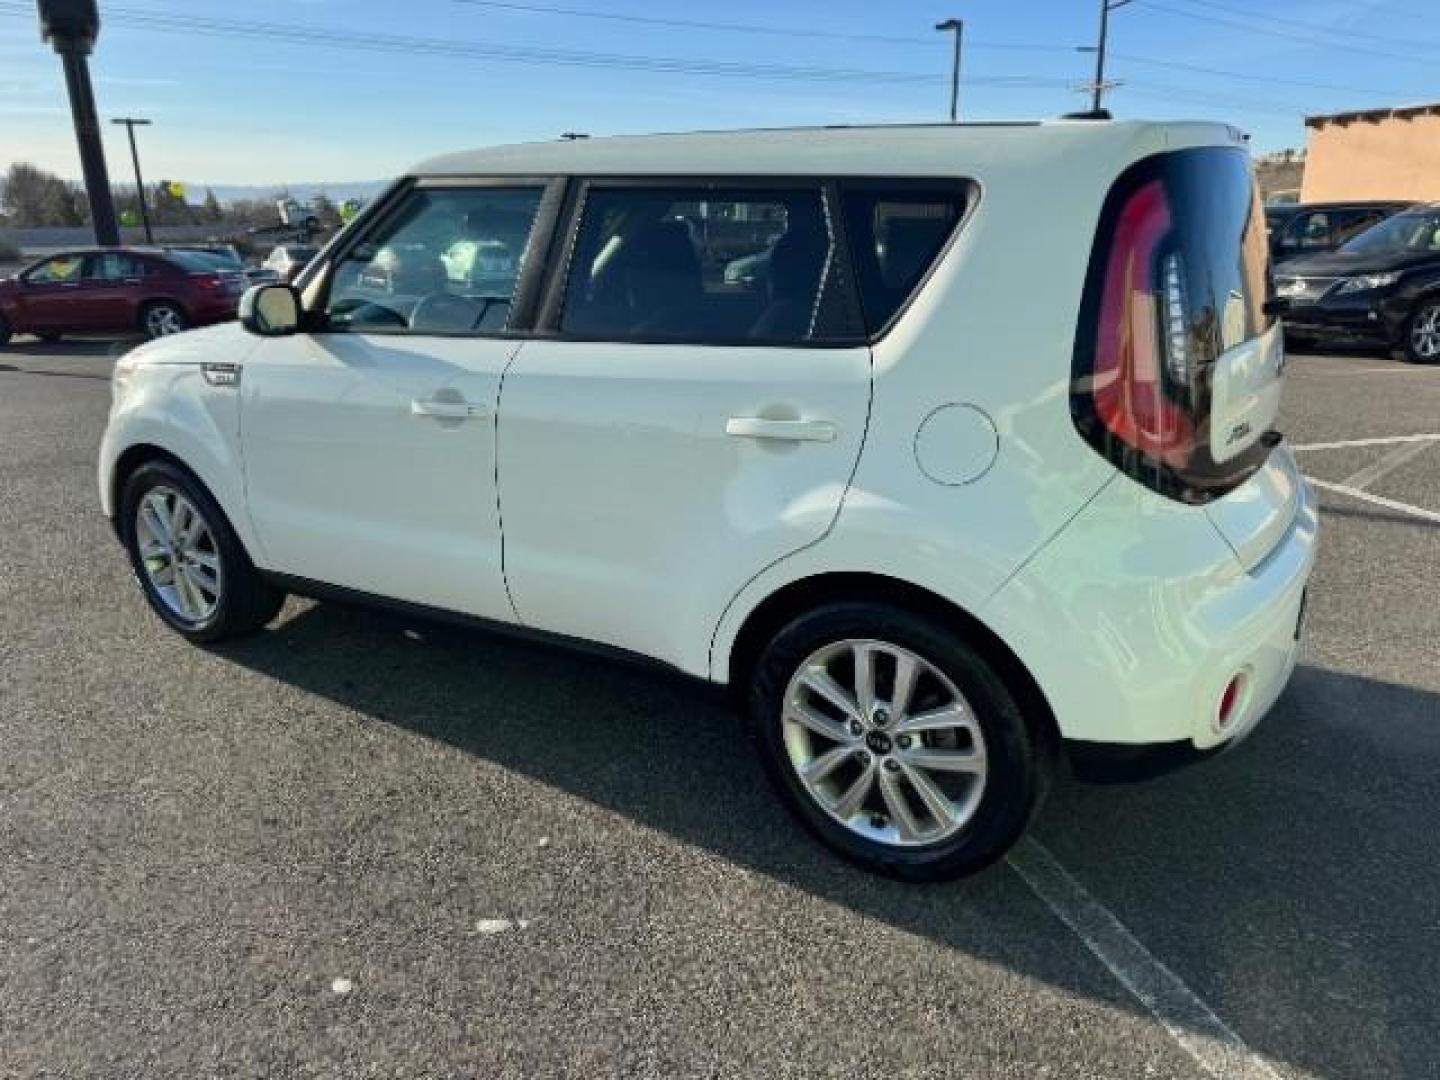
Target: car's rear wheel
(48, 338)
(161, 318)
(189, 562)
(895, 742)
(1422, 333)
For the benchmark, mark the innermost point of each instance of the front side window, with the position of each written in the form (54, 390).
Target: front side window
(1412, 231)
(1355, 223)
(62, 268)
(707, 265)
(447, 261)
(896, 233)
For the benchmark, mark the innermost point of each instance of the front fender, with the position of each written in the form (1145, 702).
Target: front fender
(173, 408)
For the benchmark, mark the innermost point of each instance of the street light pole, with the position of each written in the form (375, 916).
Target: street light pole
(1098, 86)
(958, 26)
(71, 26)
(130, 123)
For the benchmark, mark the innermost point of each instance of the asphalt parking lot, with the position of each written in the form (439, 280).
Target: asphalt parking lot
(352, 847)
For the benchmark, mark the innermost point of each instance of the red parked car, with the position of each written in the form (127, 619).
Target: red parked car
(117, 289)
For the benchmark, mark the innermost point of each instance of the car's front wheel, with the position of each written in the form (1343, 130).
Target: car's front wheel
(1422, 333)
(161, 318)
(188, 560)
(895, 742)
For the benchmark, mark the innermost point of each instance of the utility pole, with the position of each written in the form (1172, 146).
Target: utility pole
(130, 123)
(958, 26)
(71, 27)
(1098, 87)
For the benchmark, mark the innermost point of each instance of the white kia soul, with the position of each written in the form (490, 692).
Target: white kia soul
(947, 448)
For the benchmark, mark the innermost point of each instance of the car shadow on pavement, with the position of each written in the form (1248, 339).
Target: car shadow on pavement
(1278, 880)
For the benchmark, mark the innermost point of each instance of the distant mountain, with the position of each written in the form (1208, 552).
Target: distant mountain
(339, 192)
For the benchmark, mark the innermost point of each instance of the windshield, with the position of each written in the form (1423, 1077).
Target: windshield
(1414, 230)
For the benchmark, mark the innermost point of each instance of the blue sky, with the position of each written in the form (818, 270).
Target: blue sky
(282, 105)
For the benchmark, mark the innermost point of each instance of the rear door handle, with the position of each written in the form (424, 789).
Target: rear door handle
(757, 427)
(445, 409)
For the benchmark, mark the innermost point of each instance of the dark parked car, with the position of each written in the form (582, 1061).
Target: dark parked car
(1381, 287)
(227, 258)
(117, 289)
(1310, 228)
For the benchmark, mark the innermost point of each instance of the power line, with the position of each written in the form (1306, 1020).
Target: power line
(744, 28)
(1310, 39)
(310, 36)
(1309, 27)
(695, 24)
(1245, 76)
(313, 37)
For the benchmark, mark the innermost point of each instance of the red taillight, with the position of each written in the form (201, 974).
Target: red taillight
(1128, 375)
(1171, 286)
(206, 281)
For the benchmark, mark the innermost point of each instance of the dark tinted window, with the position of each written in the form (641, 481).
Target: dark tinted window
(1310, 230)
(707, 265)
(1355, 222)
(896, 232)
(196, 262)
(446, 262)
(113, 266)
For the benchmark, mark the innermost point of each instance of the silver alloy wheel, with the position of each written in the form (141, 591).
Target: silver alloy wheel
(161, 320)
(884, 742)
(179, 554)
(1425, 333)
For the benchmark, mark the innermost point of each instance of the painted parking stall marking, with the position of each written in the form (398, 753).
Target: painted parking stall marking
(1190, 1022)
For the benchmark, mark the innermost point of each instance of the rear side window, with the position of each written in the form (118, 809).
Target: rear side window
(896, 234)
(113, 266)
(709, 264)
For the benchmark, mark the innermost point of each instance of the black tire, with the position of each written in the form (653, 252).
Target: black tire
(1428, 308)
(5, 330)
(246, 602)
(156, 311)
(1300, 343)
(48, 338)
(1019, 768)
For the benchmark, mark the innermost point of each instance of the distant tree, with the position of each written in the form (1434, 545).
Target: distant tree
(326, 210)
(31, 196)
(212, 210)
(168, 208)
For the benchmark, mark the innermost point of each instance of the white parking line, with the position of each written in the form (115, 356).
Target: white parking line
(1379, 500)
(1376, 470)
(1385, 440)
(1190, 1022)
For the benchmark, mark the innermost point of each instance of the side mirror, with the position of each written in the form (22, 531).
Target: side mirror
(270, 310)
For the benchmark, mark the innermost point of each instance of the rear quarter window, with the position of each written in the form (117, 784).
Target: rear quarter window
(897, 231)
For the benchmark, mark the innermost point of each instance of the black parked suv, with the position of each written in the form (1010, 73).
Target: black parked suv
(1381, 287)
(1310, 228)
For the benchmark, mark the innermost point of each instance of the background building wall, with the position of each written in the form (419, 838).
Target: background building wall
(1388, 157)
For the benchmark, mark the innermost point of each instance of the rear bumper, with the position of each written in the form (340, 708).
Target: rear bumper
(1135, 619)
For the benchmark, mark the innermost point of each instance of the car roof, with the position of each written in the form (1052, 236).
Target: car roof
(880, 150)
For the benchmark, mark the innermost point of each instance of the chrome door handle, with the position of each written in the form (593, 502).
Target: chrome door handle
(757, 427)
(445, 409)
